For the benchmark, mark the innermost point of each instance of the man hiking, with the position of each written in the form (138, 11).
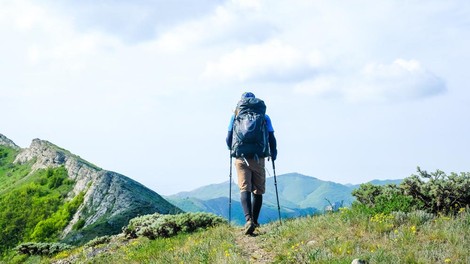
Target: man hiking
(251, 139)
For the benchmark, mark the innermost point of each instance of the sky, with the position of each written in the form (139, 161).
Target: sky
(356, 90)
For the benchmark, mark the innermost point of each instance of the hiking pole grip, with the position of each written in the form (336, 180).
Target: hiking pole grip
(277, 195)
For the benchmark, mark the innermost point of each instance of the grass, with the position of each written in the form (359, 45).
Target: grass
(11, 174)
(342, 237)
(415, 237)
(215, 245)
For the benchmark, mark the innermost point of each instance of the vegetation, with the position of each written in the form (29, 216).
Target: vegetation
(435, 193)
(34, 208)
(158, 225)
(414, 237)
(43, 249)
(11, 174)
(388, 224)
(98, 241)
(424, 219)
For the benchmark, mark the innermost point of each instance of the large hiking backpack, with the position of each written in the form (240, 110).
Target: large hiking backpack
(250, 135)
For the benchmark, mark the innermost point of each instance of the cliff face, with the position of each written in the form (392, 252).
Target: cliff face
(4, 141)
(110, 200)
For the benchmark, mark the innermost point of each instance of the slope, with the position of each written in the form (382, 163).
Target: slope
(56, 195)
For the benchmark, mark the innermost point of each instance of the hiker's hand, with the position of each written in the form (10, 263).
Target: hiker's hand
(274, 154)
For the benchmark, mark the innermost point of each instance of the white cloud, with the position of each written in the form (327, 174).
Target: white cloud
(269, 61)
(234, 22)
(401, 80)
(248, 4)
(132, 22)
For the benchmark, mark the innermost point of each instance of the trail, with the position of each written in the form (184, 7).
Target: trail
(252, 246)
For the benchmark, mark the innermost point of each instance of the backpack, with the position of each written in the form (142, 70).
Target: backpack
(250, 135)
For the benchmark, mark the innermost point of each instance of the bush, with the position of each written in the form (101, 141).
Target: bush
(98, 241)
(431, 192)
(382, 199)
(437, 192)
(43, 249)
(415, 218)
(158, 225)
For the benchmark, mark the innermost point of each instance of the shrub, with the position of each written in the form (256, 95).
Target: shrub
(42, 249)
(417, 217)
(98, 241)
(431, 192)
(437, 192)
(158, 225)
(382, 199)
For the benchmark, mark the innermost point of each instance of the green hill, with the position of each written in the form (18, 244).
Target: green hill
(48, 194)
(299, 195)
(219, 206)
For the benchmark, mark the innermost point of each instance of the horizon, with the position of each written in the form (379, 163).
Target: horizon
(268, 175)
(355, 92)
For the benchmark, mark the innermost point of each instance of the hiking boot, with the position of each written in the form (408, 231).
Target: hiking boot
(249, 227)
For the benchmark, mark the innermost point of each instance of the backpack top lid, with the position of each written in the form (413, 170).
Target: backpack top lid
(251, 104)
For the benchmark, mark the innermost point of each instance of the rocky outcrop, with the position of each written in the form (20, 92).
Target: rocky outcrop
(4, 141)
(48, 155)
(110, 199)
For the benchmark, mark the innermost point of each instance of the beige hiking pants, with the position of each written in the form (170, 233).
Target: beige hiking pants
(251, 176)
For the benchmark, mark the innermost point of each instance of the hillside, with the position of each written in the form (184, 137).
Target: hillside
(50, 194)
(299, 195)
(219, 206)
(415, 237)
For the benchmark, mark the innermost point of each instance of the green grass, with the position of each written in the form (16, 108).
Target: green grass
(215, 245)
(332, 238)
(11, 174)
(344, 236)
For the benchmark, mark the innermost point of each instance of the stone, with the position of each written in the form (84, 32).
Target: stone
(4, 141)
(358, 261)
(311, 243)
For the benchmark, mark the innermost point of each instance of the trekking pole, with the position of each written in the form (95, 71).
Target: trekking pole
(277, 195)
(230, 194)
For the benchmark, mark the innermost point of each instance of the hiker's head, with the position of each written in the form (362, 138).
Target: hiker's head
(248, 95)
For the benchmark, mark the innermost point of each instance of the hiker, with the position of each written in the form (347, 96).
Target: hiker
(251, 139)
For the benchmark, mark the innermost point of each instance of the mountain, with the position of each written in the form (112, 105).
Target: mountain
(376, 182)
(52, 194)
(219, 206)
(299, 195)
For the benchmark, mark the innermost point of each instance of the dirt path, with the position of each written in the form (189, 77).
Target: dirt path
(252, 247)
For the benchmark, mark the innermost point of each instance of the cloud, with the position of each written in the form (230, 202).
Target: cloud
(401, 80)
(234, 23)
(269, 61)
(130, 21)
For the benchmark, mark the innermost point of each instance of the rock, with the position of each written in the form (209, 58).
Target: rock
(311, 243)
(358, 261)
(4, 141)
